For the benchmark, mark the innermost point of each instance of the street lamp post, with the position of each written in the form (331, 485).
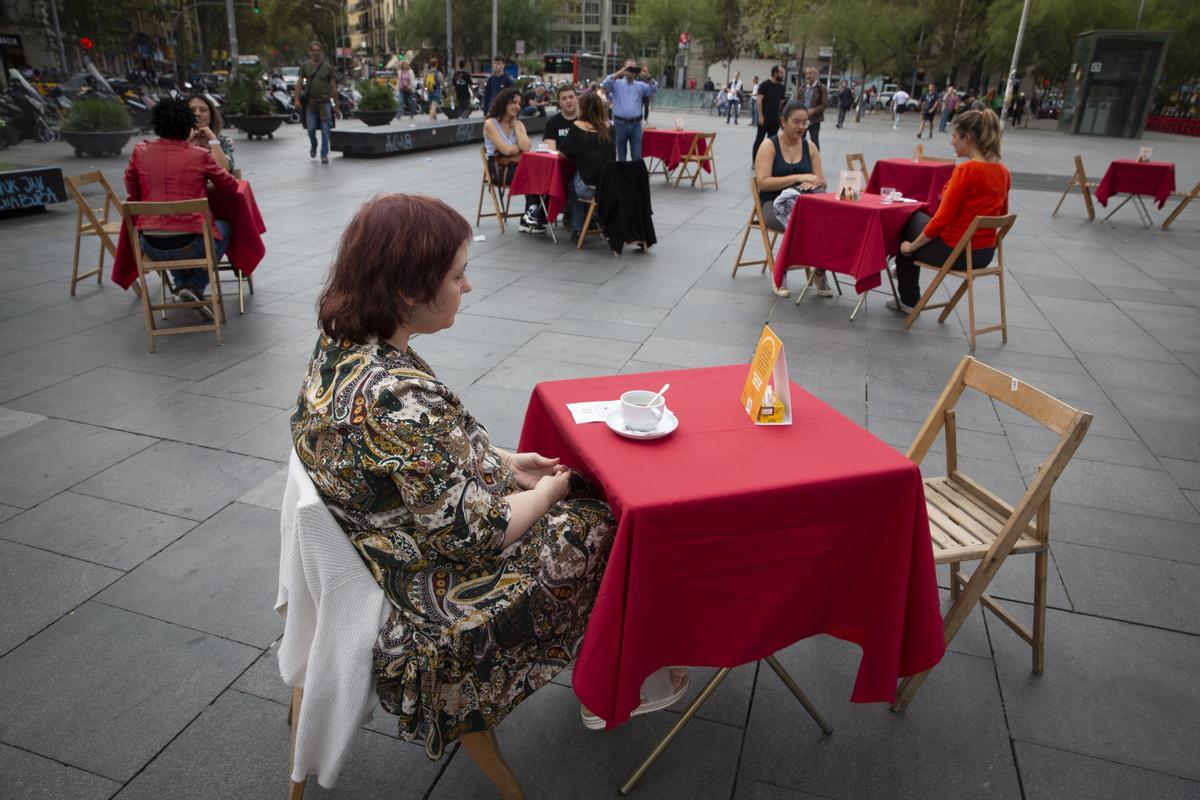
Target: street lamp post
(1012, 70)
(495, 30)
(233, 42)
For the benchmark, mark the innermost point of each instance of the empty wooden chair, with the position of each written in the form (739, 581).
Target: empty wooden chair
(856, 161)
(968, 523)
(1002, 225)
(1079, 179)
(1185, 198)
(757, 222)
(697, 157)
(130, 213)
(104, 222)
(498, 192)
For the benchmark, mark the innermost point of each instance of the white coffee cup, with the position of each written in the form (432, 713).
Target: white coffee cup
(637, 415)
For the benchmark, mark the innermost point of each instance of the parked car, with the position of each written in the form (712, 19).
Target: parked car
(290, 75)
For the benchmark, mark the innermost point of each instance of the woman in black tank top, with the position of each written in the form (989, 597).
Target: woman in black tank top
(788, 160)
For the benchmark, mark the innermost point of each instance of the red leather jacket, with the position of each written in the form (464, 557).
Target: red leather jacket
(164, 170)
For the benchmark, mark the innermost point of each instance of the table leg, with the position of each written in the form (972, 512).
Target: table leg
(892, 283)
(1118, 208)
(1143, 212)
(661, 747)
(812, 273)
(546, 214)
(862, 298)
(773, 662)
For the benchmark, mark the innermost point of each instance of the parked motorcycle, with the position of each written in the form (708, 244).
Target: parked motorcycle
(122, 92)
(347, 100)
(281, 100)
(24, 112)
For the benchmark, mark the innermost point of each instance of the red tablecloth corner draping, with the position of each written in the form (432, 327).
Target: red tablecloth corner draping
(920, 180)
(735, 541)
(670, 146)
(547, 174)
(245, 250)
(1153, 178)
(853, 238)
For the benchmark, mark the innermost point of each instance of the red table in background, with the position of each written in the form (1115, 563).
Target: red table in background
(920, 180)
(246, 247)
(1154, 178)
(736, 540)
(544, 173)
(853, 238)
(669, 146)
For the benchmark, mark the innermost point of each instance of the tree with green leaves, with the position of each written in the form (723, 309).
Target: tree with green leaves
(423, 26)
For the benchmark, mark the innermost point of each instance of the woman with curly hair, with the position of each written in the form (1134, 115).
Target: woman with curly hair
(170, 168)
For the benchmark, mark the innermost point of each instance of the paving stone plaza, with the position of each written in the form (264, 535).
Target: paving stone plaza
(140, 493)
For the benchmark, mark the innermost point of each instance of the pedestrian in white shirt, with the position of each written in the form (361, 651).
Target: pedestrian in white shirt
(899, 106)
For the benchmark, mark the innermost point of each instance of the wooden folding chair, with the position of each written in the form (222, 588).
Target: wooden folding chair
(769, 235)
(969, 523)
(130, 212)
(856, 161)
(1080, 179)
(693, 157)
(103, 223)
(1002, 225)
(588, 227)
(1187, 198)
(500, 197)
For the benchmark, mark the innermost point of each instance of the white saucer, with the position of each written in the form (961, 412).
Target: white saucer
(666, 425)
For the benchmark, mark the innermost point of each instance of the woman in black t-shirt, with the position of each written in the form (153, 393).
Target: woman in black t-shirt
(589, 144)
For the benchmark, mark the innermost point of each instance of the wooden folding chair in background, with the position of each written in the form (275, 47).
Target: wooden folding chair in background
(1079, 179)
(130, 212)
(856, 161)
(932, 159)
(1002, 225)
(694, 158)
(498, 192)
(769, 235)
(968, 523)
(1183, 203)
(104, 222)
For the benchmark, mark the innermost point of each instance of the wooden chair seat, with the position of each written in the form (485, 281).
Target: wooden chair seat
(965, 519)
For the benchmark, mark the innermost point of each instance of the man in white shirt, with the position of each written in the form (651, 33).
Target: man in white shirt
(734, 107)
(754, 102)
(899, 106)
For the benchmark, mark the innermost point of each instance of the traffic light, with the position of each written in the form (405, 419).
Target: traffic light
(85, 43)
(257, 9)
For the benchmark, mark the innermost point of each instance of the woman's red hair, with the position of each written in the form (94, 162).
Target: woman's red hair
(396, 245)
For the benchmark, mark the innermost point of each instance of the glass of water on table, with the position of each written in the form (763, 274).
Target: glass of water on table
(888, 193)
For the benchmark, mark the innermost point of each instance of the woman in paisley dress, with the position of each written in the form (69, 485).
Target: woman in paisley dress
(491, 559)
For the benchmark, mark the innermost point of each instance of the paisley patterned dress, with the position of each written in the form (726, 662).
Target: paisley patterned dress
(418, 488)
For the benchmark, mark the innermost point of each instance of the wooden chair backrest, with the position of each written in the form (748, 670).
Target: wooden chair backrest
(859, 162)
(131, 211)
(487, 171)
(694, 153)
(758, 211)
(112, 203)
(1070, 424)
(1000, 224)
(1079, 173)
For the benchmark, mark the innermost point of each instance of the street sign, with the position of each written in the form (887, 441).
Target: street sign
(1096, 66)
(520, 47)
(685, 39)
(824, 52)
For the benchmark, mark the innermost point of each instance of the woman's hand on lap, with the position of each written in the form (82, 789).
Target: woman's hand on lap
(555, 486)
(529, 468)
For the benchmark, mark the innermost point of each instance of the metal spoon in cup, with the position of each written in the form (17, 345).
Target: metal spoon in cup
(650, 402)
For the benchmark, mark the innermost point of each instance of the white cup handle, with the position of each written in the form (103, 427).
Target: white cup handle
(658, 414)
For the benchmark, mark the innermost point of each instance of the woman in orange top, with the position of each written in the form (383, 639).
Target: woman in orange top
(978, 187)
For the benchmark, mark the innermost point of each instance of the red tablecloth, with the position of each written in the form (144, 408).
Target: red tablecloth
(670, 146)
(1154, 178)
(544, 173)
(245, 250)
(735, 541)
(920, 180)
(854, 238)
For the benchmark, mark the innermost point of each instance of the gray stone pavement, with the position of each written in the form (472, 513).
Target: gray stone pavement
(139, 496)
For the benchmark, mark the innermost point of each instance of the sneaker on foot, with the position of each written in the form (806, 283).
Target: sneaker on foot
(781, 291)
(324, 159)
(312, 152)
(901, 306)
(531, 224)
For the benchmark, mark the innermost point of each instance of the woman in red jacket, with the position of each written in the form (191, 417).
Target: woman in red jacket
(167, 169)
(978, 187)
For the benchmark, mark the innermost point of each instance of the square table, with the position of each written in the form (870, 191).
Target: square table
(853, 237)
(544, 173)
(246, 248)
(920, 180)
(736, 540)
(1135, 178)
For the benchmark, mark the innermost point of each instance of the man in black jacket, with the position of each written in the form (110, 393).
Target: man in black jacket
(816, 97)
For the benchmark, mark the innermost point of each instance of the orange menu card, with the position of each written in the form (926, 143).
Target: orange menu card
(768, 380)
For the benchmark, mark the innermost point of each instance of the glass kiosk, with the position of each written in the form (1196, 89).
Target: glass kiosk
(1112, 82)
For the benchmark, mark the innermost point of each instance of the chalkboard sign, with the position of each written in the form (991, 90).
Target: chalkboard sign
(31, 187)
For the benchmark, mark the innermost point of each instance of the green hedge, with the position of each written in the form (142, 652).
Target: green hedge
(93, 114)
(376, 97)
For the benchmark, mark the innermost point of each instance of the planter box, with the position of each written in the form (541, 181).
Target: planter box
(97, 143)
(396, 141)
(375, 118)
(257, 127)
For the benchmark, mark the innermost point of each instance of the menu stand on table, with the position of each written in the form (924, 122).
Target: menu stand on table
(702, 698)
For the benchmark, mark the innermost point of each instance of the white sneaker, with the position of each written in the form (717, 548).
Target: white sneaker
(781, 291)
(900, 306)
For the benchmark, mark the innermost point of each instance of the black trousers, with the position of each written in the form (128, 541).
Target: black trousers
(767, 127)
(842, 115)
(814, 134)
(908, 274)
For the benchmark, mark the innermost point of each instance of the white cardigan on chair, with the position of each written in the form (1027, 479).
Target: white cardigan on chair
(333, 610)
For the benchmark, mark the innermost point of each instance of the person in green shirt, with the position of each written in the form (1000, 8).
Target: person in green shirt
(318, 79)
